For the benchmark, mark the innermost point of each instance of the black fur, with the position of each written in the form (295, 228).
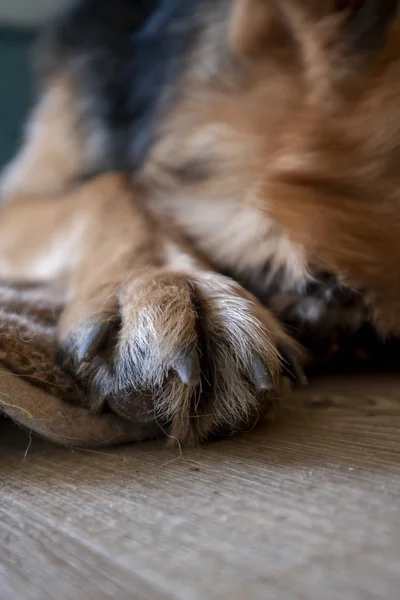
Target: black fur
(369, 24)
(124, 58)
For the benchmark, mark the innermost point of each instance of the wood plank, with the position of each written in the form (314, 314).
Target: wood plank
(306, 508)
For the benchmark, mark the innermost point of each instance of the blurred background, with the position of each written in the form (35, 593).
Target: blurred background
(20, 20)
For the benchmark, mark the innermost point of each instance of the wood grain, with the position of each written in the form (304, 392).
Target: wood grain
(308, 508)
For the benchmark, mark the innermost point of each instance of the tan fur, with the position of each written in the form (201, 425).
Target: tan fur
(299, 141)
(53, 149)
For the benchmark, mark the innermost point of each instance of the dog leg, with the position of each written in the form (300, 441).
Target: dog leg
(157, 336)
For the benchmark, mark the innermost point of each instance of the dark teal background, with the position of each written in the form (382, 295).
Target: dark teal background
(15, 87)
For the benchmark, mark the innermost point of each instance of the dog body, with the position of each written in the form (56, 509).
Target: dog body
(259, 139)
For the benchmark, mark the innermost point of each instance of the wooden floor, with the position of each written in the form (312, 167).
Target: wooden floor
(308, 509)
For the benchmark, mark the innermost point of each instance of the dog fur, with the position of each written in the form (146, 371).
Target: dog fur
(256, 147)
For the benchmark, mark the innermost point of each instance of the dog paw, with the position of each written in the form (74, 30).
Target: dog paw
(331, 321)
(197, 354)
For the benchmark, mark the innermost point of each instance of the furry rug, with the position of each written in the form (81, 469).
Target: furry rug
(34, 391)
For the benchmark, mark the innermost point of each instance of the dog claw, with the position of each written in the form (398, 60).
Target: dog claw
(96, 404)
(260, 375)
(93, 341)
(188, 368)
(292, 368)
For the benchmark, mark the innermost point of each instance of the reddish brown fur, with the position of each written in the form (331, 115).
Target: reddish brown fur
(340, 200)
(314, 136)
